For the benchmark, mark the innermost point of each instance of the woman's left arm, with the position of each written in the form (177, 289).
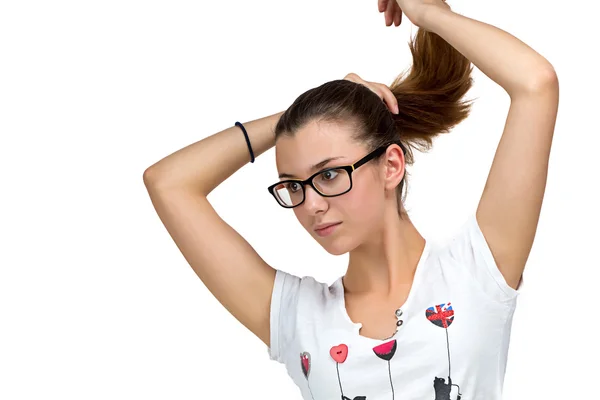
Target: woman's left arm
(511, 201)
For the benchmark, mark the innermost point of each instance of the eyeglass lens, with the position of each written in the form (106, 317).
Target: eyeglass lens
(331, 182)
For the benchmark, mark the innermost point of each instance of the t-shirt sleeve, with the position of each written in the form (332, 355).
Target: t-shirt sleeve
(470, 248)
(284, 306)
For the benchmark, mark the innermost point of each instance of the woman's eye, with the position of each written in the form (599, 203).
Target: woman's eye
(293, 186)
(329, 175)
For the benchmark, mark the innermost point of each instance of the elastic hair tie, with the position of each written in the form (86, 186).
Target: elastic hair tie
(247, 140)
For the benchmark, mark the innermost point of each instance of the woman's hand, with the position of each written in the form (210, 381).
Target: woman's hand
(380, 90)
(414, 10)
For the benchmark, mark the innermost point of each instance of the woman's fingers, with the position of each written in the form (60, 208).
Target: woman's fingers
(398, 16)
(388, 97)
(385, 94)
(389, 12)
(382, 5)
(380, 89)
(353, 77)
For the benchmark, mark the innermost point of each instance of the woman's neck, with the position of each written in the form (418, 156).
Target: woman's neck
(385, 264)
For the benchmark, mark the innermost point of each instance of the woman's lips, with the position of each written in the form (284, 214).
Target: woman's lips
(328, 230)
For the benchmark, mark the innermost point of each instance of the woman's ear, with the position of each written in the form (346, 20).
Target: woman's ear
(394, 164)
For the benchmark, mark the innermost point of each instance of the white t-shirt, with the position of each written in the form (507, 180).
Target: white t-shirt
(453, 339)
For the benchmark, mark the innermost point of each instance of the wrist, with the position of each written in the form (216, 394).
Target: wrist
(431, 17)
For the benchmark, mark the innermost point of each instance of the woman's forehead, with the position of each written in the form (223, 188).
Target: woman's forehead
(299, 155)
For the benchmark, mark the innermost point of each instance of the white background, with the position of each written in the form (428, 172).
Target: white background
(96, 301)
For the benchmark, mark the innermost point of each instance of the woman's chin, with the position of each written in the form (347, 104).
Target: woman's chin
(336, 247)
(336, 252)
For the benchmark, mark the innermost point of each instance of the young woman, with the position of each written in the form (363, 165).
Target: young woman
(409, 319)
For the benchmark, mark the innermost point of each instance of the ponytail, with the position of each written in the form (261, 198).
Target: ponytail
(429, 96)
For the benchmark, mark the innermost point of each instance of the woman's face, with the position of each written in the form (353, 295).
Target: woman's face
(359, 213)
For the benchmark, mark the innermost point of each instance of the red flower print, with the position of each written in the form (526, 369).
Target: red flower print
(386, 351)
(339, 353)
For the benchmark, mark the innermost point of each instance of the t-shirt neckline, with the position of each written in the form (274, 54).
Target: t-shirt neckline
(356, 326)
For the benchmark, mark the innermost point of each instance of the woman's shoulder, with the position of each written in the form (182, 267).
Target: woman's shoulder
(306, 285)
(466, 252)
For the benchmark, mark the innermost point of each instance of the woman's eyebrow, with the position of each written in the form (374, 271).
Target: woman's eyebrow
(318, 165)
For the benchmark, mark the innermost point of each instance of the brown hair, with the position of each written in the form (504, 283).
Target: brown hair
(429, 98)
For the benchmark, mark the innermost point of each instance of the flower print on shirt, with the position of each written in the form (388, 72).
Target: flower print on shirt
(442, 315)
(305, 363)
(339, 354)
(386, 351)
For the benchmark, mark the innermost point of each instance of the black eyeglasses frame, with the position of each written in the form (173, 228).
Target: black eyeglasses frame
(349, 169)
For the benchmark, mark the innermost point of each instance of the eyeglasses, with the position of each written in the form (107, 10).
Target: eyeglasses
(330, 182)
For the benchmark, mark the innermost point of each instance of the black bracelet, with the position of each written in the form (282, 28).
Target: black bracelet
(247, 141)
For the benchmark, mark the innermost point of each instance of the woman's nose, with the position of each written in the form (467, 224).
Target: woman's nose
(313, 201)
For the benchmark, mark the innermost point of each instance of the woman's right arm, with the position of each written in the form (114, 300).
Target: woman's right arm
(224, 261)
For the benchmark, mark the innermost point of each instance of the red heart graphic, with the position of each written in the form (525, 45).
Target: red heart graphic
(305, 360)
(339, 353)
